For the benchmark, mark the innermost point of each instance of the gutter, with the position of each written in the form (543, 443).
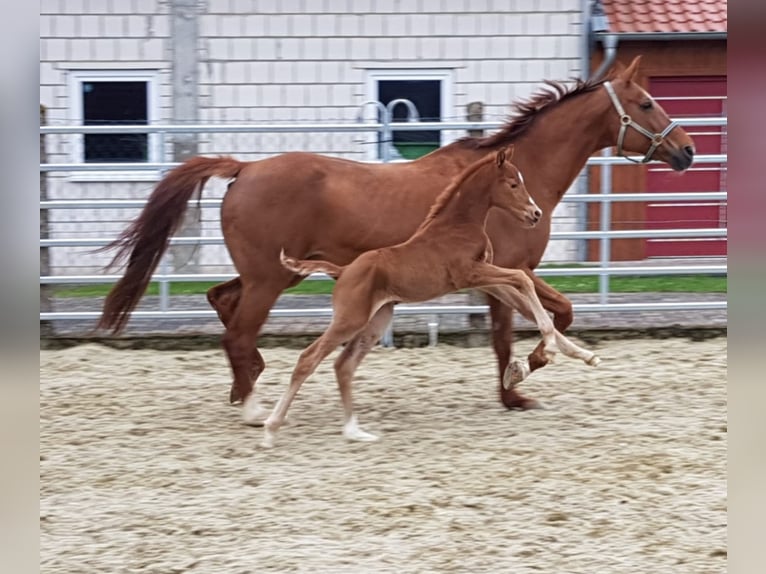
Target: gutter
(659, 36)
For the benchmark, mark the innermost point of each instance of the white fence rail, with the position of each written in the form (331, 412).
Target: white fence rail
(603, 268)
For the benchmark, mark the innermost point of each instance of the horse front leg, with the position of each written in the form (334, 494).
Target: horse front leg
(502, 341)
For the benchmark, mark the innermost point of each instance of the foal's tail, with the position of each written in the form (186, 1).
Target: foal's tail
(146, 239)
(309, 266)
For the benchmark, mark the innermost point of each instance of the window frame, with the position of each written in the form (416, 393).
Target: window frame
(374, 76)
(76, 79)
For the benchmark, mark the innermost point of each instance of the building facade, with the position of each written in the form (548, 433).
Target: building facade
(276, 61)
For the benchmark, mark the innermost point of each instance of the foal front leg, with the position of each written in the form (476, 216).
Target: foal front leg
(556, 303)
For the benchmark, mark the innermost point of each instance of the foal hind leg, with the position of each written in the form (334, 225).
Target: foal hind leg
(348, 361)
(309, 359)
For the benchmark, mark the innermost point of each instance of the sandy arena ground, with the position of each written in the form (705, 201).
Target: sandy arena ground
(145, 468)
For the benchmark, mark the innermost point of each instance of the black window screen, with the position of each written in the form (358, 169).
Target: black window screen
(115, 103)
(426, 95)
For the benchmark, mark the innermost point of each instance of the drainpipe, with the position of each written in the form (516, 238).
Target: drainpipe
(599, 25)
(610, 53)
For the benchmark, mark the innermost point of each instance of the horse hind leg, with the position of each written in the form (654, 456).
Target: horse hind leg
(224, 298)
(348, 361)
(239, 342)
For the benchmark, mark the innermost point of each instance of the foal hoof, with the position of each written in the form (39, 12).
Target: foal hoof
(268, 439)
(515, 372)
(352, 431)
(594, 361)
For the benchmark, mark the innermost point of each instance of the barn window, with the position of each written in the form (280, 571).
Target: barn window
(114, 98)
(427, 90)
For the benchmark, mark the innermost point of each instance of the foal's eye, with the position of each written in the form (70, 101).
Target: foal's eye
(514, 185)
(645, 105)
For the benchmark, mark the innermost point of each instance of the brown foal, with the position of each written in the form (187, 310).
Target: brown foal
(449, 251)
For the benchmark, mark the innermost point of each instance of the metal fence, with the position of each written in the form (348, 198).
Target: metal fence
(603, 268)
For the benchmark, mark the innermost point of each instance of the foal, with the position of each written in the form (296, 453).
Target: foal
(448, 252)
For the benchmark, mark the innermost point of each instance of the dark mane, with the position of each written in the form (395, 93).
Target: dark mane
(524, 112)
(444, 197)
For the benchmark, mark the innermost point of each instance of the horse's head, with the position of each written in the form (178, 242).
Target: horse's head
(509, 191)
(641, 126)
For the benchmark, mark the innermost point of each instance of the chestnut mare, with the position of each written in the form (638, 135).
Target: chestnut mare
(449, 251)
(315, 206)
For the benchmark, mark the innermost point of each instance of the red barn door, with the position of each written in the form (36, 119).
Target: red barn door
(695, 96)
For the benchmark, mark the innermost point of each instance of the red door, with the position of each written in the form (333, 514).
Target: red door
(695, 96)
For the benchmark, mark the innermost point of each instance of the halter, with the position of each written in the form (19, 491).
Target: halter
(626, 120)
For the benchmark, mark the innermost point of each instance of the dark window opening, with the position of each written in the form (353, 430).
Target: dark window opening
(115, 103)
(426, 95)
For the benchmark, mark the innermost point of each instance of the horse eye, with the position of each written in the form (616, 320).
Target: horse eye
(646, 105)
(514, 185)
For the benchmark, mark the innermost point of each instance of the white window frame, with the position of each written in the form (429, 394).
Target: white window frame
(374, 76)
(76, 78)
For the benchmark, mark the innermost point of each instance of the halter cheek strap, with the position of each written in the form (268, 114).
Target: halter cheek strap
(626, 121)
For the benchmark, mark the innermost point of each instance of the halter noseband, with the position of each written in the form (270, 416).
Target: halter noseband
(626, 120)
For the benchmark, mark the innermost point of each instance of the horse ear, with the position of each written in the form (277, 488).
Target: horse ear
(500, 158)
(509, 152)
(629, 73)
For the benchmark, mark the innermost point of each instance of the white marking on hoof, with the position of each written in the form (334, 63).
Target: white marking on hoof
(352, 431)
(515, 372)
(594, 361)
(253, 413)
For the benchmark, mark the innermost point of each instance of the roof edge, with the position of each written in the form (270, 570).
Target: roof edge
(654, 36)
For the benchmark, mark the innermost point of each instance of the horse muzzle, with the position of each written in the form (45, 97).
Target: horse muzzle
(681, 159)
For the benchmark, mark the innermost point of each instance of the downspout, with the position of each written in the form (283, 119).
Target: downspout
(600, 30)
(609, 42)
(583, 185)
(595, 23)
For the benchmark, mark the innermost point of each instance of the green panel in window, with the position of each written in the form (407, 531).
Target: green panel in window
(414, 150)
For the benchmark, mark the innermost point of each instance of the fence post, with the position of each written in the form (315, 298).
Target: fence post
(46, 327)
(475, 113)
(185, 41)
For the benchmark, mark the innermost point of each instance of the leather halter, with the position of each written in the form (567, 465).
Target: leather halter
(626, 121)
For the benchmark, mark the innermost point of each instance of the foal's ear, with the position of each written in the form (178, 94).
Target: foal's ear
(505, 154)
(628, 74)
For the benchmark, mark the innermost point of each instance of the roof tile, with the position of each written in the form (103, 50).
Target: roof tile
(646, 16)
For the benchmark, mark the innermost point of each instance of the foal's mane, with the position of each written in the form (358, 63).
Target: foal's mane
(524, 112)
(451, 190)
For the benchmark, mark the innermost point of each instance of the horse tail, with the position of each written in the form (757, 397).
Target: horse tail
(308, 266)
(145, 240)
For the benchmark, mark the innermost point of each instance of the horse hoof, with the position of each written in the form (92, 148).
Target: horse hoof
(594, 361)
(236, 396)
(516, 402)
(515, 372)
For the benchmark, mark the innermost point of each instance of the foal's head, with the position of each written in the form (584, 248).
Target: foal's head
(509, 191)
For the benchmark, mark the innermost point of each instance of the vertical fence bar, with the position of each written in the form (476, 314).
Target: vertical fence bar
(476, 321)
(604, 223)
(46, 305)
